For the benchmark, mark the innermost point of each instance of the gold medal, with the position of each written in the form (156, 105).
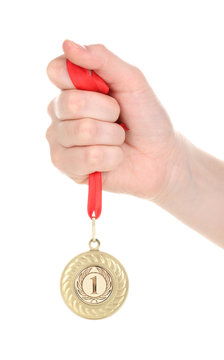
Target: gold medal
(94, 284)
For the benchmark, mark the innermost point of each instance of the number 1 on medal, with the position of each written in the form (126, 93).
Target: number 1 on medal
(94, 285)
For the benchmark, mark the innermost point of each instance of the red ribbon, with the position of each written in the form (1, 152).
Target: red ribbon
(84, 79)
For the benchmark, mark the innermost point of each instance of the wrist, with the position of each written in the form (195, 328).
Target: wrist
(179, 178)
(194, 193)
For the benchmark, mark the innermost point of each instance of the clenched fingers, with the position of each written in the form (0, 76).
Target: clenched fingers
(81, 161)
(87, 131)
(75, 104)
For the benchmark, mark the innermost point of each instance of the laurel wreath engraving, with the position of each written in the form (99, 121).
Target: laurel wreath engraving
(106, 292)
(120, 284)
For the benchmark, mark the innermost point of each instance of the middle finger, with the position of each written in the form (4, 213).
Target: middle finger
(76, 104)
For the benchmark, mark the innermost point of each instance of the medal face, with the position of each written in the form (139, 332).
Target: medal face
(94, 284)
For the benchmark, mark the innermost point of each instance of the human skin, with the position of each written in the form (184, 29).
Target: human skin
(151, 160)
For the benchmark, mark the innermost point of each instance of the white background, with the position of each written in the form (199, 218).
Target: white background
(175, 306)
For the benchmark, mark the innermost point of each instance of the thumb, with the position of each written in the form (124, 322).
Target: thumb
(117, 73)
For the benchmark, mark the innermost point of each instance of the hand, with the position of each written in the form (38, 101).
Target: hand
(84, 136)
(150, 160)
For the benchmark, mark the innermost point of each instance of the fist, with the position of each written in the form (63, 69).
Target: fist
(84, 135)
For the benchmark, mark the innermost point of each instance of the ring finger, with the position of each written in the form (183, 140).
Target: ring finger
(88, 131)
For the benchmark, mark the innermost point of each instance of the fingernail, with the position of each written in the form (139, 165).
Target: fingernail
(78, 46)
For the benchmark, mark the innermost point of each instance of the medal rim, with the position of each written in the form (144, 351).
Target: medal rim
(74, 302)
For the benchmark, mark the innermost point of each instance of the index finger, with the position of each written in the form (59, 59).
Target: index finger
(58, 73)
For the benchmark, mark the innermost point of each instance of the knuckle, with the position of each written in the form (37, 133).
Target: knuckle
(135, 68)
(64, 133)
(86, 130)
(101, 55)
(101, 47)
(61, 129)
(50, 108)
(74, 102)
(48, 133)
(56, 106)
(79, 179)
(49, 69)
(55, 67)
(57, 157)
(94, 156)
(137, 71)
(67, 101)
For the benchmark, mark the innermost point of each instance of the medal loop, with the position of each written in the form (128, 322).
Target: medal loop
(95, 247)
